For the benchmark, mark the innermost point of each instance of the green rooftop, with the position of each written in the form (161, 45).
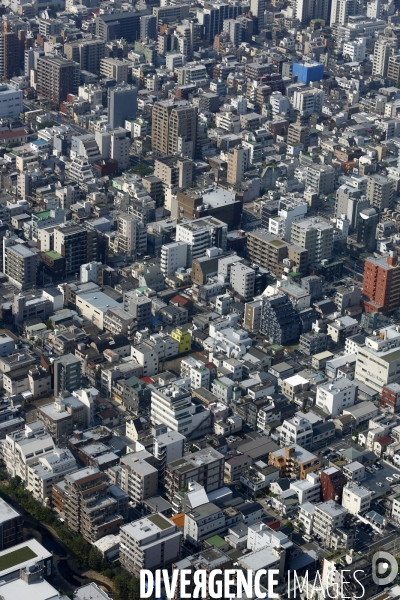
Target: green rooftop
(160, 521)
(392, 356)
(277, 243)
(42, 216)
(9, 560)
(53, 254)
(216, 540)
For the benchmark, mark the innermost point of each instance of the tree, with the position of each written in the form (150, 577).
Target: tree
(95, 560)
(134, 589)
(141, 169)
(120, 586)
(46, 124)
(49, 324)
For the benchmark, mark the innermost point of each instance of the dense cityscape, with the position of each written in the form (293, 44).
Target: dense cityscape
(199, 296)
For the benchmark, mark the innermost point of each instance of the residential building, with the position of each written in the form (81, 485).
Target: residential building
(152, 543)
(206, 467)
(90, 508)
(294, 460)
(173, 257)
(122, 103)
(333, 397)
(56, 78)
(332, 484)
(356, 498)
(315, 235)
(297, 430)
(114, 68)
(201, 234)
(67, 374)
(378, 361)
(87, 53)
(174, 128)
(21, 448)
(173, 406)
(203, 522)
(19, 263)
(139, 478)
(139, 306)
(380, 191)
(279, 321)
(328, 516)
(242, 280)
(48, 470)
(381, 288)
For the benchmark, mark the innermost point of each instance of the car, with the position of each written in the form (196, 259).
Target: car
(379, 484)
(390, 479)
(396, 475)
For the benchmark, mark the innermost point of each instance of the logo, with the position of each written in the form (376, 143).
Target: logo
(384, 568)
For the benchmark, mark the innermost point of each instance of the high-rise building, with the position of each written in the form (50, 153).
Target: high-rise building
(238, 160)
(298, 133)
(378, 361)
(114, 68)
(381, 283)
(342, 9)
(380, 191)
(315, 235)
(174, 128)
(148, 27)
(242, 280)
(87, 53)
(19, 263)
(201, 234)
(56, 77)
(366, 228)
(257, 9)
(280, 322)
(67, 374)
(77, 245)
(122, 105)
(211, 18)
(139, 306)
(383, 49)
(90, 507)
(11, 526)
(10, 53)
(173, 257)
(119, 25)
(139, 478)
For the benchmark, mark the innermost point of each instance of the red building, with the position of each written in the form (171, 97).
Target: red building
(332, 483)
(381, 284)
(390, 397)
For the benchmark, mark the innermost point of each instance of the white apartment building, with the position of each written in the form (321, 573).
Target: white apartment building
(296, 430)
(168, 447)
(327, 517)
(288, 211)
(356, 499)
(115, 68)
(120, 146)
(306, 516)
(243, 280)
(354, 51)
(378, 362)
(201, 234)
(152, 542)
(308, 101)
(173, 406)
(309, 489)
(279, 104)
(333, 397)
(198, 373)
(23, 448)
(260, 536)
(204, 522)
(46, 470)
(173, 256)
(139, 478)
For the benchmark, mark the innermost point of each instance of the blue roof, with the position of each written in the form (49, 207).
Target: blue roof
(40, 143)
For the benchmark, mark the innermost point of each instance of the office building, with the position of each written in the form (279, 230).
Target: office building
(174, 128)
(148, 27)
(19, 263)
(152, 543)
(125, 25)
(11, 48)
(67, 374)
(366, 228)
(90, 507)
(114, 68)
(77, 245)
(381, 284)
(380, 192)
(87, 53)
(11, 526)
(206, 467)
(315, 235)
(10, 101)
(122, 105)
(56, 78)
(201, 234)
